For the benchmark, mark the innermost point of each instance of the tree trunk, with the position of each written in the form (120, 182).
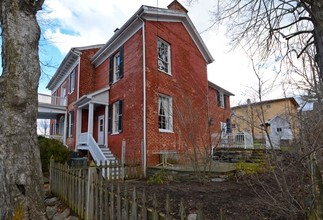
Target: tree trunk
(317, 14)
(21, 184)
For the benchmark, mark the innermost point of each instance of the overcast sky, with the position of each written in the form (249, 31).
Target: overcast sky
(76, 23)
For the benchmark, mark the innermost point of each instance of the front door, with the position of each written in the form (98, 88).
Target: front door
(101, 130)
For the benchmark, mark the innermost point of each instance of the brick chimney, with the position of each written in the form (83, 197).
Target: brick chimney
(175, 5)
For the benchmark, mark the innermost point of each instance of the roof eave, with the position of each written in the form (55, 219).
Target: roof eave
(71, 57)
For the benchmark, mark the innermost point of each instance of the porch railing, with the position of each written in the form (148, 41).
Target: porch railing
(54, 100)
(233, 140)
(56, 137)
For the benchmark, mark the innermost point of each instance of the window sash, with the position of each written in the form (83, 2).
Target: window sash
(116, 67)
(71, 124)
(117, 117)
(221, 99)
(163, 51)
(71, 85)
(165, 113)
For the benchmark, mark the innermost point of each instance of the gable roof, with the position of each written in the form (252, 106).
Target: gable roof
(67, 64)
(292, 99)
(220, 89)
(135, 23)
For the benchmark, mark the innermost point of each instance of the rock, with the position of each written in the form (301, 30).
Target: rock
(192, 216)
(72, 218)
(66, 213)
(51, 201)
(218, 179)
(58, 216)
(50, 211)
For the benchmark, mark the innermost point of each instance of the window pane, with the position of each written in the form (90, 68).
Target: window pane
(163, 55)
(164, 113)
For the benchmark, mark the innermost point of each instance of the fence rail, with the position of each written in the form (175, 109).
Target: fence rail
(92, 196)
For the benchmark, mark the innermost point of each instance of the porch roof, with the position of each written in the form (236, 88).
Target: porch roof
(49, 111)
(100, 97)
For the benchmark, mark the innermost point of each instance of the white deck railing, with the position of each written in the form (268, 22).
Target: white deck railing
(54, 100)
(233, 140)
(57, 137)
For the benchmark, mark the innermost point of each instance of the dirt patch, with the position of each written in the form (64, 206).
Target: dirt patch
(232, 199)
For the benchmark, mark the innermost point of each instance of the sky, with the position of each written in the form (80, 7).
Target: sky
(74, 23)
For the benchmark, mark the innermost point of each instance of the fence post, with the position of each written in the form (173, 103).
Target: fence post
(89, 195)
(123, 157)
(51, 163)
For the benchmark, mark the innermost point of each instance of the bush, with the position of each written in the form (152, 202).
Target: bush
(250, 168)
(159, 178)
(51, 147)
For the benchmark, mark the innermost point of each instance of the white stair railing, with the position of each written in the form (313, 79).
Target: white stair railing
(95, 150)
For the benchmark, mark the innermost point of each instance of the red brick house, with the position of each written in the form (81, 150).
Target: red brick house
(147, 85)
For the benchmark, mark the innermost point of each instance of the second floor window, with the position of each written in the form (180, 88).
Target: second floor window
(163, 50)
(165, 113)
(71, 85)
(221, 100)
(116, 66)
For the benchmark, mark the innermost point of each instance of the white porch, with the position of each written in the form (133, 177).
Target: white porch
(85, 139)
(49, 107)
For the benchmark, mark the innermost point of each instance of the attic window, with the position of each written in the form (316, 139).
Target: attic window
(163, 50)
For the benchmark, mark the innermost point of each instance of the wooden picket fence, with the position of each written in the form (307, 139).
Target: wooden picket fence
(91, 196)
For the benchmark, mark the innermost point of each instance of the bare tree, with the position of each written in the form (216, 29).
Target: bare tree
(43, 126)
(274, 28)
(21, 186)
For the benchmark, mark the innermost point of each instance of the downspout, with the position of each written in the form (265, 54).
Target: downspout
(144, 97)
(78, 54)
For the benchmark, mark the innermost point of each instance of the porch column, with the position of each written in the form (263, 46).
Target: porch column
(90, 124)
(106, 125)
(65, 129)
(78, 125)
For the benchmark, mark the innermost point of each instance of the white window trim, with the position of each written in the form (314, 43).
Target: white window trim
(169, 114)
(70, 124)
(71, 82)
(115, 118)
(116, 74)
(169, 72)
(222, 99)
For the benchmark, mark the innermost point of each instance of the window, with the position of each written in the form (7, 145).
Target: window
(116, 66)
(165, 114)
(115, 117)
(163, 50)
(223, 129)
(268, 106)
(279, 129)
(71, 85)
(221, 100)
(70, 124)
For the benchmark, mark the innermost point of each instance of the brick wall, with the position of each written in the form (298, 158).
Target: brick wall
(130, 90)
(217, 113)
(87, 75)
(187, 86)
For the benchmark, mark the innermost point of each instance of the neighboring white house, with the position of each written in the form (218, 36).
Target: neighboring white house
(280, 130)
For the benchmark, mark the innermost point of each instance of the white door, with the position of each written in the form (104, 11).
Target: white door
(101, 130)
